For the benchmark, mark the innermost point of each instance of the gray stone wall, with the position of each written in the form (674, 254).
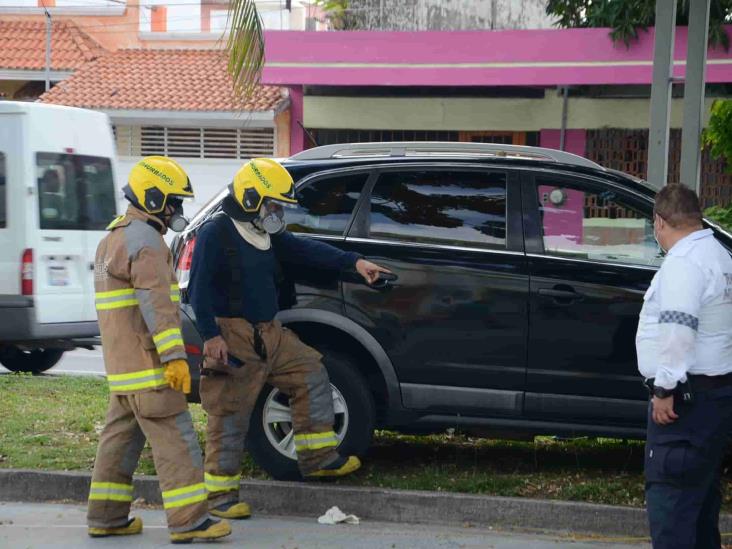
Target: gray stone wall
(447, 15)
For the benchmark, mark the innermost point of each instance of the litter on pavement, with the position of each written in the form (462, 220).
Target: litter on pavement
(336, 516)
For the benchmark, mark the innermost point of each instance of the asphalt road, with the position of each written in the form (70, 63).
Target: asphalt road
(77, 362)
(55, 525)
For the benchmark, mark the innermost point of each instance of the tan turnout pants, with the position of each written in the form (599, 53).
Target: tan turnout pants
(161, 417)
(228, 395)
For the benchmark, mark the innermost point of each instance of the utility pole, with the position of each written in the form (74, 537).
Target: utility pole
(48, 47)
(696, 62)
(663, 52)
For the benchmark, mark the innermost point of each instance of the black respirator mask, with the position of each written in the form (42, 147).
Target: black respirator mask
(177, 221)
(271, 218)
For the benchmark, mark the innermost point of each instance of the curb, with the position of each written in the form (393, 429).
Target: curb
(312, 500)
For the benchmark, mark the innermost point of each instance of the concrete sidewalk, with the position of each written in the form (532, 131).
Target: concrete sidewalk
(60, 526)
(373, 504)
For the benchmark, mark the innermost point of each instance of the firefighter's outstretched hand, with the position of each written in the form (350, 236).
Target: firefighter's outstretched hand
(177, 375)
(370, 271)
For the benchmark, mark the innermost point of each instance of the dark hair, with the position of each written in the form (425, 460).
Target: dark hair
(679, 206)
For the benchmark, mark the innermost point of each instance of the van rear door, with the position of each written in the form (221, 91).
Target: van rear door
(76, 200)
(11, 207)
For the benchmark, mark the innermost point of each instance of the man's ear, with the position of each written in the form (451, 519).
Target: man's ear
(659, 221)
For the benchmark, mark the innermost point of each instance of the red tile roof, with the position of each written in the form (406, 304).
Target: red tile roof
(23, 45)
(171, 80)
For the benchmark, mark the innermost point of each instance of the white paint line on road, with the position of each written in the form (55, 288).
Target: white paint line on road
(78, 372)
(84, 526)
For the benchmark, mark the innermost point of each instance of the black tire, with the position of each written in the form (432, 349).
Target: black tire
(344, 375)
(33, 362)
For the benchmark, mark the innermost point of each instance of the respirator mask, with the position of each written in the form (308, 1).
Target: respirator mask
(176, 221)
(271, 218)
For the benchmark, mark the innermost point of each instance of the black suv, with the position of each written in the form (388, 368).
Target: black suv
(521, 273)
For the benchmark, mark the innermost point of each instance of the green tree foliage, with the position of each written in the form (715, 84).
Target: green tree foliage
(339, 13)
(627, 17)
(718, 136)
(245, 46)
(720, 215)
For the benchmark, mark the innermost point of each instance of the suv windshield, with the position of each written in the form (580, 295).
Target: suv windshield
(75, 192)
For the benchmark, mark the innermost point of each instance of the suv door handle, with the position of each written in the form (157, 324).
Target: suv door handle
(561, 294)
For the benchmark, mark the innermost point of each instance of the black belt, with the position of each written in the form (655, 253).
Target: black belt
(707, 383)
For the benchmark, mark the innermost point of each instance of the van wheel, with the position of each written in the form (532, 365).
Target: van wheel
(271, 439)
(36, 361)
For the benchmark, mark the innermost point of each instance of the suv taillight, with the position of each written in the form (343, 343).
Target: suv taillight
(185, 259)
(26, 272)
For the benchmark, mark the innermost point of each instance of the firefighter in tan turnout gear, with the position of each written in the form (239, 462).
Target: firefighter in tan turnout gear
(137, 305)
(234, 295)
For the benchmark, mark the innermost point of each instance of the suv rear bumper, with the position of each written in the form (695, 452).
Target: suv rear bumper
(19, 323)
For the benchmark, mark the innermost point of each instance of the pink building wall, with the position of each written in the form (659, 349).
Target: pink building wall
(575, 141)
(547, 57)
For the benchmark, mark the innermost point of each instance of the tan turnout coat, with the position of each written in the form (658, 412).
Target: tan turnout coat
(137, 302)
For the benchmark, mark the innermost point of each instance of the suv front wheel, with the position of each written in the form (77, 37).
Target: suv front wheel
(271, 439)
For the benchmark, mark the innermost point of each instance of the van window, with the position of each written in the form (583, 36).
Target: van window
(3, 190)
(75, 192)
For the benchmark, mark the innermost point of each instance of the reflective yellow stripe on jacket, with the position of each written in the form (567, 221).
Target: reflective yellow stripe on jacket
(174, 293)
(184, 496)
(168, 339)
(143, 379)
(115, 299)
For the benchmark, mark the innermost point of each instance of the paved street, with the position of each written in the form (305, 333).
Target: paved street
(55, 525)
(77, 362)
(80, 362)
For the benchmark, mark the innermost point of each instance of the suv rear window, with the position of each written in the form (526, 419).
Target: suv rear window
(75, 192)
(325, 205)
(444, 207)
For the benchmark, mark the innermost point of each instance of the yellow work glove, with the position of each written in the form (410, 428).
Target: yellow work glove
(177, 375)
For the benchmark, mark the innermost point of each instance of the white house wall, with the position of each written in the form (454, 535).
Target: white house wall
(208, 177)
(476, 113)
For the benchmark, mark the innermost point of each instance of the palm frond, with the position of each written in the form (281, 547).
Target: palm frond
(245, 46)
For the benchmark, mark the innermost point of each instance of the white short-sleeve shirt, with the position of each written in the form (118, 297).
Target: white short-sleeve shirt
(685, 326)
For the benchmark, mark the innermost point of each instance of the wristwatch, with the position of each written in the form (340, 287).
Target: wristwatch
(660, 392)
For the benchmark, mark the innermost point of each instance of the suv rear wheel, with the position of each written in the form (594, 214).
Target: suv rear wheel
(36, 361)
(271, 439)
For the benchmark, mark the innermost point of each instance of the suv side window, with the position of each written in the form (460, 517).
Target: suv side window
(462, 208)
(582, 222)
(325, 205)
(3, 193)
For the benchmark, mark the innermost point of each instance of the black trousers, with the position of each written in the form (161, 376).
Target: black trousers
(683, 466)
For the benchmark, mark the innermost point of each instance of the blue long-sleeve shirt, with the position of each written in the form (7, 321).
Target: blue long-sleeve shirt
(210, 281)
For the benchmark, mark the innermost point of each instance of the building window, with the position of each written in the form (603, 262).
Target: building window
(234, 143)
(325, 136)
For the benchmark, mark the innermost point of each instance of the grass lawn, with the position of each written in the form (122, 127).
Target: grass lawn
(53, 422)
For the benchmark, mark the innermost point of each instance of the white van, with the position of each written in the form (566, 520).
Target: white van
(57, 195)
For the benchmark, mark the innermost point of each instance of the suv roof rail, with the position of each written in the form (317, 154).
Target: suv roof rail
(437, 148)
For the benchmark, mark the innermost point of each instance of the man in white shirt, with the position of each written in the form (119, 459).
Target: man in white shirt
(684, 346)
